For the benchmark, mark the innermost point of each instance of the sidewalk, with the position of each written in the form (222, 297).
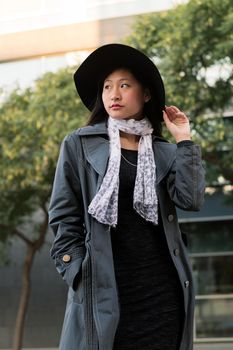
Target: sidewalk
(213, 346)
(218, 346)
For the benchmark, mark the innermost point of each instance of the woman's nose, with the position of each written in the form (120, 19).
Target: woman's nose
(115, 94)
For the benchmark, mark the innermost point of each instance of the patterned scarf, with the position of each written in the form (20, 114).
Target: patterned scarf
(104, 206)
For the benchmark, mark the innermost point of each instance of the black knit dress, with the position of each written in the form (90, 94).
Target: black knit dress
(149, 291)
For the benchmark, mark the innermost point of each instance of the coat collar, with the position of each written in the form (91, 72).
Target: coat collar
(96, 129)
(94, 146)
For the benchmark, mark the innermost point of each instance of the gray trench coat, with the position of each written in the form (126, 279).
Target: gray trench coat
(82, 246)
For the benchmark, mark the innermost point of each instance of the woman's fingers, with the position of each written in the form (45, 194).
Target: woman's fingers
(175, 113)
(172, 108)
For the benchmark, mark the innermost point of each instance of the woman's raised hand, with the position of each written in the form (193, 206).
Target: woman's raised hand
(177, 123)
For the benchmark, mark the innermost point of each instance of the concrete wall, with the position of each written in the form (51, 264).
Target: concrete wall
(61, 39)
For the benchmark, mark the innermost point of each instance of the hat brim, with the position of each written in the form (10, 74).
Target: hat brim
(111, 56)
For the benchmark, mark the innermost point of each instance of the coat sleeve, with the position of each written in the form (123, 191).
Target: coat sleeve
(66, 215)
(186, 179)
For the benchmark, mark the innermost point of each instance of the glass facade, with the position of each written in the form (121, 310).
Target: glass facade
(23, 73)
(210, 246)
(213, 317)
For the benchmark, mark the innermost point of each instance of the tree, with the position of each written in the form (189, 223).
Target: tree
(193, 48)
(33, 123)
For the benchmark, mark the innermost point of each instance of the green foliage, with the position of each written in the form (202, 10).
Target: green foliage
(33, 123)
(190, 44)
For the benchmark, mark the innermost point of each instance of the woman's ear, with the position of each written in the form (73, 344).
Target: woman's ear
(147, 95)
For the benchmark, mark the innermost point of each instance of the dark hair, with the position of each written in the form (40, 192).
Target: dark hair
(99, 113)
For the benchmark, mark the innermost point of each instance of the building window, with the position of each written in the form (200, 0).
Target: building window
(210, 247)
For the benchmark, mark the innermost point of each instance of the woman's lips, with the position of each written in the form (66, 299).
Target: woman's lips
(116, 106)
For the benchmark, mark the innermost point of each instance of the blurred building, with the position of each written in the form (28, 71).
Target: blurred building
(37, 36)
(44, 35)
(209, 237)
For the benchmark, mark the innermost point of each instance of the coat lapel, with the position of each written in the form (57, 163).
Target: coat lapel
(96, 150)
(95, 146)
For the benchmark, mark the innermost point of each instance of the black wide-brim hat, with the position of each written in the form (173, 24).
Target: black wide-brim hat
(112, 56)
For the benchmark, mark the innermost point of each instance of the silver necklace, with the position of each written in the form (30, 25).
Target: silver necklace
(127, 161)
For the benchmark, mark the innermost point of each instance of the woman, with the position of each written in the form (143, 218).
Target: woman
(117, 241)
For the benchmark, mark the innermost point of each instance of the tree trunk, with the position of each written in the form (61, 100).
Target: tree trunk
(32, 248)
(24, 298)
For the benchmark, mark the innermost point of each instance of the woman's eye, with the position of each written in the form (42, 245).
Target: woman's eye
(124, 85)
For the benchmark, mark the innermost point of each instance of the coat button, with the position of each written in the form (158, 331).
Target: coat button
(66, 258)
(186, 284)
(170, 217)
(176, 251)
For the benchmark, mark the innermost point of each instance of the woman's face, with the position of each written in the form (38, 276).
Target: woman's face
(123, 96)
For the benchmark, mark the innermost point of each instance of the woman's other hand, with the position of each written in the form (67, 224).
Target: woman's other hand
(177, 123)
